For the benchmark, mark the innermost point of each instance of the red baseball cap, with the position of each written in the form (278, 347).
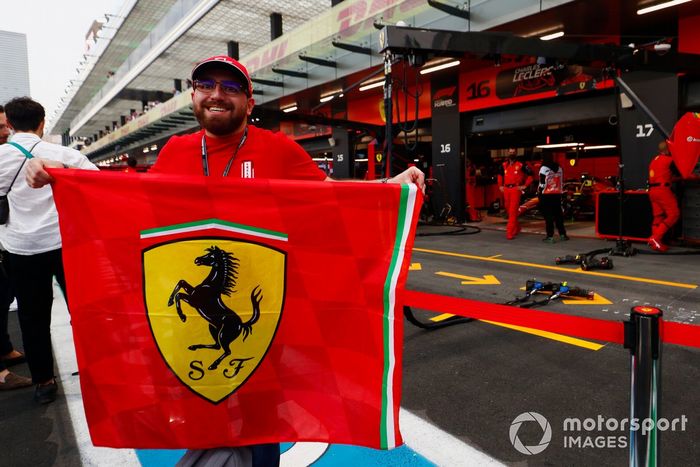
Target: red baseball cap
(226, 62)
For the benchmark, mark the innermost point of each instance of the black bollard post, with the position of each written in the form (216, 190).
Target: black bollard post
(642, 338)
(388, 115)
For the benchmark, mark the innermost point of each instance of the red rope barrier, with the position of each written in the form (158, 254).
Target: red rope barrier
(589, 328)
(680, 334)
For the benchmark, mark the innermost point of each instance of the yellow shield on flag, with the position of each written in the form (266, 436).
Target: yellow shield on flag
(214, 305)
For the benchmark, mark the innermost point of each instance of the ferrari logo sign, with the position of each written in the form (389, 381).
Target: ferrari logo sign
(213, 305)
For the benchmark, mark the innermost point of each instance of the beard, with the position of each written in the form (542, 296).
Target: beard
(220, 125)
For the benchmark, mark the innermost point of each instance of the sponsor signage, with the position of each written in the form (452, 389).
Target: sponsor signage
(525, 81)
(445, 98)
(353, 20)
(447, 166)
(490, 87)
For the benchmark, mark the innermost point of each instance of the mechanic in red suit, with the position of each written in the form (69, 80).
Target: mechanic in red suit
(664, 206)
(513, 179)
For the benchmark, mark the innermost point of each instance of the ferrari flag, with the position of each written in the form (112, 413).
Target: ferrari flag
(684, 143)
(211, 312)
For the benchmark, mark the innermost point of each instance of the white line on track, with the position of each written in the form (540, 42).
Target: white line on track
(439, 446)
(64, 352)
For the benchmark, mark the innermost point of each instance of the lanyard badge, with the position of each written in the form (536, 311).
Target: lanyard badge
(205, 158)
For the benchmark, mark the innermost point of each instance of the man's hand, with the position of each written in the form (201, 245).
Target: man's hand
(410, 175)
(36, 176)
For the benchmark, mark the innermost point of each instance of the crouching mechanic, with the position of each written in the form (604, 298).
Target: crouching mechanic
(227, 146)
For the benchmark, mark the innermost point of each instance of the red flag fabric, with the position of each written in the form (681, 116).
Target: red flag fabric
(211, 312)
(684, 143)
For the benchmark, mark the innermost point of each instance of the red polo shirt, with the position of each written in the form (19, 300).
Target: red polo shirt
(264, 154)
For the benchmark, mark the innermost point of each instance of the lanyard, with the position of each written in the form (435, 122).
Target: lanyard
(205, 159)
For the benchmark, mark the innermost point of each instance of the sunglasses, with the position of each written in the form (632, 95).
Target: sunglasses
(207, 86)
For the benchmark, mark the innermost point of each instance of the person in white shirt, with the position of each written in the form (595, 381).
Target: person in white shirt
(32, 238)
(8, 354)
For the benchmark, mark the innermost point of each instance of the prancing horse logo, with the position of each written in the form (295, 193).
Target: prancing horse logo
(214, 305)
(224, 324)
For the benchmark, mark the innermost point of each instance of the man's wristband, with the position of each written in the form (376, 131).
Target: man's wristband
(66, 166)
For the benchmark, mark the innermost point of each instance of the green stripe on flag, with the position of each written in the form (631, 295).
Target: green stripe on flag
(213, 224)
(404, 219)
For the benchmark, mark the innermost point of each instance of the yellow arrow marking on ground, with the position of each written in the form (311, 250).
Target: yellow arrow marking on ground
(597, 300)
(557, 268)
(486, 279)
(546, 334)
(415, 267)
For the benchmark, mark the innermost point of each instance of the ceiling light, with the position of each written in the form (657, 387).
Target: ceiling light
(558, 145)
(291, 108)
(554, 35)
(548, 29)
(441, 66)
(373, 85)
(660, 6)
(600, 146)
(330, 95)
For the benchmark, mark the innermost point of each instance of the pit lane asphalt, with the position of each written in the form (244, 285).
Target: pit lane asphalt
(473, 379)
(34, 435)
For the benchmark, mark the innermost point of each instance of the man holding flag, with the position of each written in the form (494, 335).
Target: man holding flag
(227, 146)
